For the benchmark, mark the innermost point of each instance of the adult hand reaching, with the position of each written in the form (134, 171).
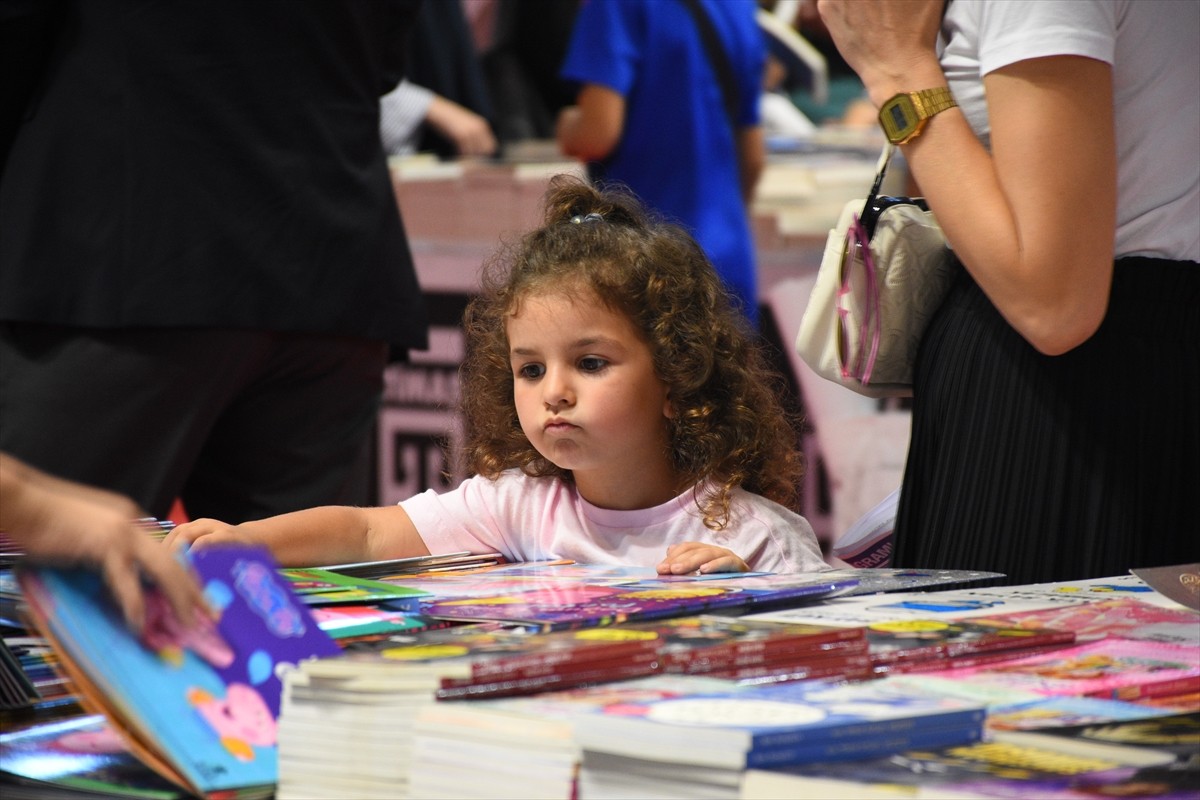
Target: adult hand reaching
(62, 522)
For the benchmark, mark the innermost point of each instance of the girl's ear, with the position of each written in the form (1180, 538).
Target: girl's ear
(668, 407)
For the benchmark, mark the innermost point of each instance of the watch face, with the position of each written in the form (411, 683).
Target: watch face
(898, 118)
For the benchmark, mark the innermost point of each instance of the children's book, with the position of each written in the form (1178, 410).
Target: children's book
(516, 747)
(869, 541)
(484, 660)
(789, 723)
(1122, 617)
(1029, 711)
(574, 604)
(348, 622)
(1181, 702)
(872, 580)
(956, 604)
(1123, 669)
(16, 687)
(704, 643)
(400, 567)
(199, 705)
(1156, 734)
(988, 768)
(39, 664)
(896, 645)
(77, 756)
(319, 587)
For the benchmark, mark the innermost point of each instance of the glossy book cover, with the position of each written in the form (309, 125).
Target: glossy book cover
(786, 723)
(200, 705)
(577, 603)
(1121, 669)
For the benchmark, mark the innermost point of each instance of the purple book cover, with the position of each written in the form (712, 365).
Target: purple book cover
(263, 622)
(577, 604)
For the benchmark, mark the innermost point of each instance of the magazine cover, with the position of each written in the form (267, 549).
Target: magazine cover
(199, 705)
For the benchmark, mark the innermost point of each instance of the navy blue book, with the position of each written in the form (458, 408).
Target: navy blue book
(788, 723)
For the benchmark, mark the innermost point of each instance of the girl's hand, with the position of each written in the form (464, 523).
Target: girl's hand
(205, 533)
(688, 557)
(891, 44)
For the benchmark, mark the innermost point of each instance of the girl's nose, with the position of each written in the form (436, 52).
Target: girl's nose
(556, 390)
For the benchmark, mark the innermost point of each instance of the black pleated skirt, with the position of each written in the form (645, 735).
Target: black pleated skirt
(1055, 468)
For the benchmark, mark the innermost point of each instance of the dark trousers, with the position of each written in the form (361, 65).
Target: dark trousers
(239, 424)
(1057, 468)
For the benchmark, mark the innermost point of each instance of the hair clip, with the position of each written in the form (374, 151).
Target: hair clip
(592, 217)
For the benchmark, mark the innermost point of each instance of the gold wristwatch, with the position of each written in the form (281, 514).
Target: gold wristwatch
(903, 117)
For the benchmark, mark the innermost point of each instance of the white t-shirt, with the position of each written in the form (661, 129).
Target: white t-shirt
(1154, 48)
(534, 519)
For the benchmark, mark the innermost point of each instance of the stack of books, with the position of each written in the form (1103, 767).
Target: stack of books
(465, 677)
(407, 675)
(923, 644)
(701, 744)
(523, 748)
(1143, 757)
(755, 652)
(1075, 767)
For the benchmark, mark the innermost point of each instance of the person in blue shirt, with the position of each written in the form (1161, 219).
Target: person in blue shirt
(651, 114)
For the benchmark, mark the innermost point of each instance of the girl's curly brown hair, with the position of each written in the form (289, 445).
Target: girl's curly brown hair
(729, 428)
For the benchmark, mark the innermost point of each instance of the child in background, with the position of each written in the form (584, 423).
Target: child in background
(617, 408)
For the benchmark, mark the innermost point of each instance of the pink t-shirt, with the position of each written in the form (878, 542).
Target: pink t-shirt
(534, 519)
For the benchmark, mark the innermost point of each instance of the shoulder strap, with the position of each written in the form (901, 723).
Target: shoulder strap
(718, 58)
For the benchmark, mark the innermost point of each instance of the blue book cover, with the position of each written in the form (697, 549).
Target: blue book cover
(198, 705)
(789, 723)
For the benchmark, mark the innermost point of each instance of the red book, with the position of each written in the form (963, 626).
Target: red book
(923, 640)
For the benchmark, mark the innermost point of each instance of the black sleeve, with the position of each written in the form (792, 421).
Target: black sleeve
(28, 31)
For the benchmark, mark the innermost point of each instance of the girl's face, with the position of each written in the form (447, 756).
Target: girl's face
(589, 400)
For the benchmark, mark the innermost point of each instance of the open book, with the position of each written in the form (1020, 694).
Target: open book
(199, 706)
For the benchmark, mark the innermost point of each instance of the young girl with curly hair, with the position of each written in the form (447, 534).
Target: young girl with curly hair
(618, 411)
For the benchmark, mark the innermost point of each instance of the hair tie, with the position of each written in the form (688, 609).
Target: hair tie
(592, 217)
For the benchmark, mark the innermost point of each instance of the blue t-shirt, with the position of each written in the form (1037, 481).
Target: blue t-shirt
(677, 151)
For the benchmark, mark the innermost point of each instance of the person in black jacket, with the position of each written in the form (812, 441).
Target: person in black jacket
(202, 264)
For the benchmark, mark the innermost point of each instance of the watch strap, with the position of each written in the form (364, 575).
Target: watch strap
(932, 101)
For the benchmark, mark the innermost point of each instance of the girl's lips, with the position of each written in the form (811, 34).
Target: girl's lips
(558, 426)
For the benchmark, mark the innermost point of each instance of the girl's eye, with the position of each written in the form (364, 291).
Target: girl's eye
(531, 371)
(592, 364)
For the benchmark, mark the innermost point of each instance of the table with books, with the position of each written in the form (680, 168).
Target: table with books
(464, 676)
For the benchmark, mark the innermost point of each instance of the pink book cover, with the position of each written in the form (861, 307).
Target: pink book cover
(1111, 667)
(1122, 617)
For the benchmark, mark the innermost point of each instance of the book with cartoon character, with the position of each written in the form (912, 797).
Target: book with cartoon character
(197, 705)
